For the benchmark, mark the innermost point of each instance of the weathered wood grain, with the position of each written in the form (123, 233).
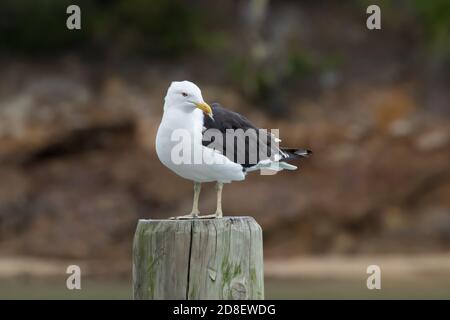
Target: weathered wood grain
(198, 259)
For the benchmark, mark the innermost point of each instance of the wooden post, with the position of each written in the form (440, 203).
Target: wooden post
(198, 259)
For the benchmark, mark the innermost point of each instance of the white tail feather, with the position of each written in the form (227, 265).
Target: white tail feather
(270, 165)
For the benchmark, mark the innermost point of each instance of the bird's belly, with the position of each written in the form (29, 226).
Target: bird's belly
(192, 172)
(195, 162)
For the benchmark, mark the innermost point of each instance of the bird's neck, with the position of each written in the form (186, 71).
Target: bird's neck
(183, 118)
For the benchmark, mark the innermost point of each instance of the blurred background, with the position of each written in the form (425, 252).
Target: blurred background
(79, 110)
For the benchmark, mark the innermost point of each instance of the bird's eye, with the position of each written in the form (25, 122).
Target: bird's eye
(184, 94)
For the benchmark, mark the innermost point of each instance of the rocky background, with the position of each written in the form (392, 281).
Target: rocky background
(79, 112)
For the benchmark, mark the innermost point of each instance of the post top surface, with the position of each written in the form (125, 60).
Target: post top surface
(227, 218)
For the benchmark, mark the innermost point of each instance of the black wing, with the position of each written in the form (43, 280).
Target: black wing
(250, 137)
(226, 119)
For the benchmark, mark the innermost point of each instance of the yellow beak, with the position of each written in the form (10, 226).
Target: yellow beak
(205, 108)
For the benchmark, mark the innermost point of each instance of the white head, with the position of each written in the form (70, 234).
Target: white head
(186, 95)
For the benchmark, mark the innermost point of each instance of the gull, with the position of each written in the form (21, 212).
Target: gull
(209, 143)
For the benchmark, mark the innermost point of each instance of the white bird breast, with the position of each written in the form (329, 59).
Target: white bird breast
(179, 147)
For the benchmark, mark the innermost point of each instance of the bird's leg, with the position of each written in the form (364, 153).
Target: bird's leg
(195, 212)
(218, 214)
(219, 187)
(197, 188)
